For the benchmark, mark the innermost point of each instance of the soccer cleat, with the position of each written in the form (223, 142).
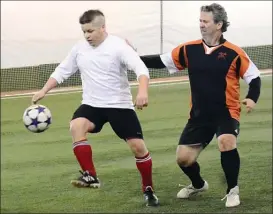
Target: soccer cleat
(86, 180)
(232, 197)
(150, 198)
(188, 191)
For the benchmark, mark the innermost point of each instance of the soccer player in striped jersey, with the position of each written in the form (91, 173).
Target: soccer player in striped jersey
(103, 60)
(215, 67)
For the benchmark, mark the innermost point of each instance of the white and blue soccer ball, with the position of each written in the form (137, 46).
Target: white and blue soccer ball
(37, 118)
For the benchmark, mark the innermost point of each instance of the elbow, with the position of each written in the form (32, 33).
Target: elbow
(144, 76)
(60, 74)
(59, 79)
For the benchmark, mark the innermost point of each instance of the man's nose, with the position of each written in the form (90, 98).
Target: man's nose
(87, 36)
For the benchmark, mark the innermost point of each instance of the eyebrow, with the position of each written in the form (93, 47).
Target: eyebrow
(88, 30)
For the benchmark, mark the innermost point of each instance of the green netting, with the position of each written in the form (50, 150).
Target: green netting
(34, 77)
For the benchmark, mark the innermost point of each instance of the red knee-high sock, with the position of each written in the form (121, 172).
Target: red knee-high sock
(144, 165)
(83, 153)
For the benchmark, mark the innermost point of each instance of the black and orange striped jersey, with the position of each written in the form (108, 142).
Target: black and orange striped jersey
(214, 75)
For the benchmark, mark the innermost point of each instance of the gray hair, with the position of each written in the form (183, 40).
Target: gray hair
(219, 14)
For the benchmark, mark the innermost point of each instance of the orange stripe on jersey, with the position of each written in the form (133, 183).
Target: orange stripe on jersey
(195, 42)
(245, 62)
(185, 57)
(233, 91)
(175, 56)
(176, 53)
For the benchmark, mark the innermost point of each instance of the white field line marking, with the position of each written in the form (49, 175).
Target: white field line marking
(77, 90)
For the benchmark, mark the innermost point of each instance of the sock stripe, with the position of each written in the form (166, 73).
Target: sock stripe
(145, 156)
(138, 160)
(81, 143)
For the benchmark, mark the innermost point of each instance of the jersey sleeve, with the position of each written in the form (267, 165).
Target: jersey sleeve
(174, 60)
(247, 69)
(132, 61)
(67, 67)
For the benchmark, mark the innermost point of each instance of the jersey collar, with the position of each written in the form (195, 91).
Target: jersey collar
(222, 40)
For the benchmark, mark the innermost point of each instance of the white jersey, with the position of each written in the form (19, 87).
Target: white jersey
(103, 72)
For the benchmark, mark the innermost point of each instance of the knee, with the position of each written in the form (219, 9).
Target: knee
(138, 147)
(79, 127)
(185, 161)
(226, 142)
(186, 156)
(76, 125)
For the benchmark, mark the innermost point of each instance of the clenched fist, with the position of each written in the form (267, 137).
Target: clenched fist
(141, 100)
(250, 104)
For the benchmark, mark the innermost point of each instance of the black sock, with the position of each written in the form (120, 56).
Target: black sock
(193, 172)
(230, 161)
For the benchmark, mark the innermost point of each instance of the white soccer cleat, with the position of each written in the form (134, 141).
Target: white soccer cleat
(232, 197)
(188, 191)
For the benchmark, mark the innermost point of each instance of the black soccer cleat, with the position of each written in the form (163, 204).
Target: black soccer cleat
(150, 198)
(86, 180)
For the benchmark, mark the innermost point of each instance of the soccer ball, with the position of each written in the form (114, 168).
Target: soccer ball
(37, 118)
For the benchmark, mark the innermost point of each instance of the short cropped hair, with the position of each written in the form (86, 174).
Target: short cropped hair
(219, 14)
(89, 15)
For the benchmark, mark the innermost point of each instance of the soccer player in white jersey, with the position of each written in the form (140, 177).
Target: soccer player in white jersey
(103, 60)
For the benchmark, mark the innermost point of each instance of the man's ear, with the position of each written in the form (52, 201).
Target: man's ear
(219, 25)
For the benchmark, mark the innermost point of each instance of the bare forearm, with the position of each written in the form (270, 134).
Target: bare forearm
(143, 84)
(50, 84)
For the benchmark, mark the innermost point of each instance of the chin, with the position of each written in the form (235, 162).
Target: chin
(92, 44)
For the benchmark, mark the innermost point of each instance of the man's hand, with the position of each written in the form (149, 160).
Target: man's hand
(250, 104)
(142, 95)
(141, 100)
(51, 83)
(38, 96)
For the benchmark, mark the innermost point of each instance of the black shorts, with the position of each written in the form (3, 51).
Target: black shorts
(197, 133)
(124, 122)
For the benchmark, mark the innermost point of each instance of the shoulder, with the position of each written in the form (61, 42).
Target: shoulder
(189, 43)
(193, 42)
(120, 46)
(80, 44)
(235, 48)
(116, 40)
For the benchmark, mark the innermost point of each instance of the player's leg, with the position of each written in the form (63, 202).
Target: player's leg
(85, 119)
(230, 160)
(126, 125)
(194, 138)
